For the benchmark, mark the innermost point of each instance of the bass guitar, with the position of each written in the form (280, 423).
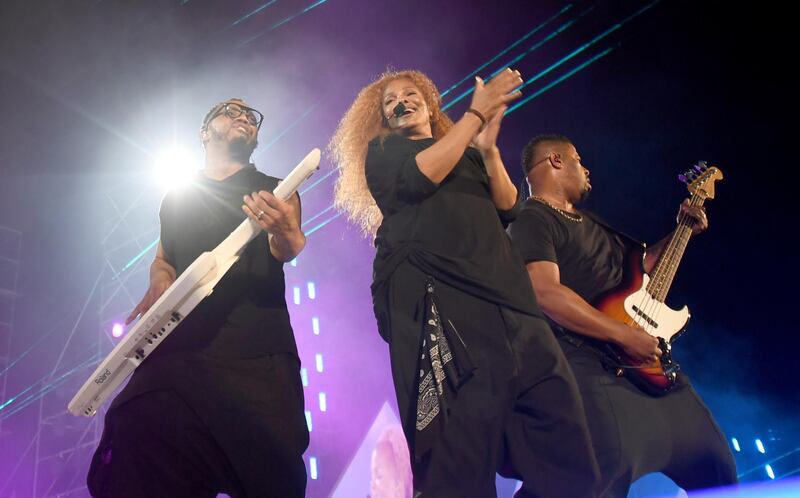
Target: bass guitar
(639, 299)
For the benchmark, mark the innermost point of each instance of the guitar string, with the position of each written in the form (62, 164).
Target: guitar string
(660, 271)
(652, 301)
(665, 272)
(670, 267)
(650, 304)
(647, 303)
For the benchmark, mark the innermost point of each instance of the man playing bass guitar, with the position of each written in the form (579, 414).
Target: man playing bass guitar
(573, 259)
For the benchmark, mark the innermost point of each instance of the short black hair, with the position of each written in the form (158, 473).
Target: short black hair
(529, 151)
(214, 110)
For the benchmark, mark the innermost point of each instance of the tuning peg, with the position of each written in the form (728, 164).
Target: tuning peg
(683, 178)
(703, 165)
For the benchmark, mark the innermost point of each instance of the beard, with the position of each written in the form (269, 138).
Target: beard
(240, 147)
(584, 195)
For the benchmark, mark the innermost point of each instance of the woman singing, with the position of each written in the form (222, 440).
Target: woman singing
(481, 383)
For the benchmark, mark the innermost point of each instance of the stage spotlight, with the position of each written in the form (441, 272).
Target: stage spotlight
(175, 167)
(296, 295)
(318, 358)
(770, 472)
(117, 329)
(312, 290)
(760, 446)
(312, 468)
(308, 420)
(304, 376)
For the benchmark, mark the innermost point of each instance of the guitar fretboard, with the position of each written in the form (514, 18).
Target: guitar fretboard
(667, 265)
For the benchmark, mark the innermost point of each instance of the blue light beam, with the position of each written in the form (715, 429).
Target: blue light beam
(527, 35)
(282, 22)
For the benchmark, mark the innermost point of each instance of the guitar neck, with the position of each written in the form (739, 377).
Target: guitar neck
(670, 259)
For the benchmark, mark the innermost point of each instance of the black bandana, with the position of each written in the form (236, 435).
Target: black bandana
(444, 367)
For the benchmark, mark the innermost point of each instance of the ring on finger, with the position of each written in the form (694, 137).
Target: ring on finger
(260, 214)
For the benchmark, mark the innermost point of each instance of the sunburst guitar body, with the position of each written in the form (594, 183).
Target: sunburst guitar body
(639, 299)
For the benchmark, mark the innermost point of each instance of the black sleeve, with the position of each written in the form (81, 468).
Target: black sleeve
(508, 216)
(535, 235)
(393, 176)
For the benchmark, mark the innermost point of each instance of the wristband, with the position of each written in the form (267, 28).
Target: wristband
(480, 116)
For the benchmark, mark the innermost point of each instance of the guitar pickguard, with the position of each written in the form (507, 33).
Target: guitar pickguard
(655, 317)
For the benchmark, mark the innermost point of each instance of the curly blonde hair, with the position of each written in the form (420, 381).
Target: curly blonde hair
(363, 122)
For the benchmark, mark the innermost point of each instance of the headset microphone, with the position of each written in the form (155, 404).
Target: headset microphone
(399, 109)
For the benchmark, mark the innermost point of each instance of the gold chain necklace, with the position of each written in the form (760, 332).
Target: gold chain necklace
(574, 217)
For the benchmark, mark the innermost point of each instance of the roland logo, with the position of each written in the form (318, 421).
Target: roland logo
(102, 377)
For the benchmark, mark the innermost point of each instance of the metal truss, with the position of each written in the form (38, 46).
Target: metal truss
(63, 444)
(10, 253)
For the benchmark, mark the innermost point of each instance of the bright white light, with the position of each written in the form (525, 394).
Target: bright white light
(736, 444)
(770, 472)
(760, 446)
(312, 291)
(174, 168)
(323, 402)
(117, 330)
(312, 464)
(304, 376)
(315, 325)
(318, 358)
(308, 420)
(296, 295)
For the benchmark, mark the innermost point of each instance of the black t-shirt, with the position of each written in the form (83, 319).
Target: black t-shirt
(243, 320)
(451, 231)
(589, 255)
(245, 315)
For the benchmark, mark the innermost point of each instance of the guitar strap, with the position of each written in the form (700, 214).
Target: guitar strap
(626, 239)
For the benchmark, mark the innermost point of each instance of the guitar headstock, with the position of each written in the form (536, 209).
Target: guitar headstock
(700, 179)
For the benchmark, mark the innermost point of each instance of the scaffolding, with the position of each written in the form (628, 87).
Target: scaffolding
(10, 254)
(64, 444)
(60, 451)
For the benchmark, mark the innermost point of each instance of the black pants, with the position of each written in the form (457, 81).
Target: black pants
(521, 411)
(635, 434)
(241, 432)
